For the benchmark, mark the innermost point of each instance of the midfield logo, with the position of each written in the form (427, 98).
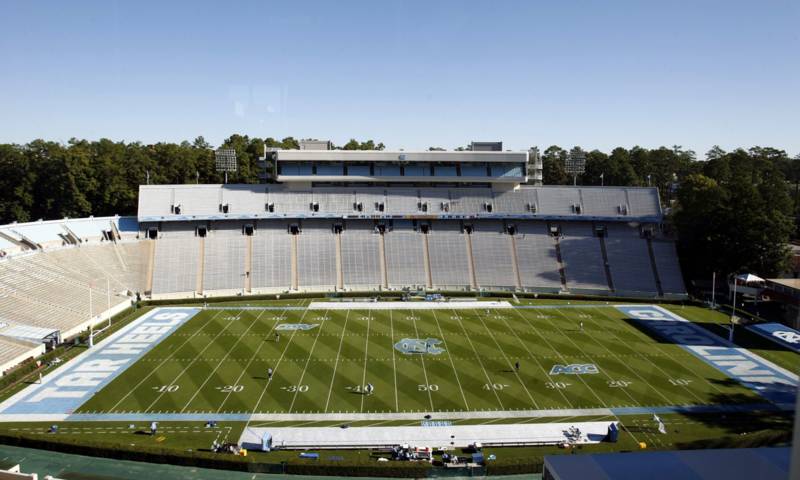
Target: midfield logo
(574, 369)
(788, 337)
(419, 345)
(296, 326)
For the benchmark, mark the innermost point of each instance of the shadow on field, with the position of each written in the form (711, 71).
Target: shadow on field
(742, 337)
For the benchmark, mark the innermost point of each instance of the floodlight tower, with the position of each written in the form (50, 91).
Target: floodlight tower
(225, 160)
(575, 163)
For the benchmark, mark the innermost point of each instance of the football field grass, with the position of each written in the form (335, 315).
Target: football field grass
(217, 362)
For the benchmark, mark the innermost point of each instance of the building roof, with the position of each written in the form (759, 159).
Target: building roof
(793, 283)
(722, 464)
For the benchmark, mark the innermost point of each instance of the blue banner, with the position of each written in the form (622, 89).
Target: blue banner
(778, 333)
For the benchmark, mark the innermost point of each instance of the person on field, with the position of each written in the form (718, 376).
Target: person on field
(277, 337)
(516, 365)
(153, 428)
(369, 389)
(269, 373)
(581, 325)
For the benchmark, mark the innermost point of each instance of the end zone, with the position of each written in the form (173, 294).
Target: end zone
(69, 386)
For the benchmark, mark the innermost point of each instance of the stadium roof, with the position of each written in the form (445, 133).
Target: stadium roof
(723, 464)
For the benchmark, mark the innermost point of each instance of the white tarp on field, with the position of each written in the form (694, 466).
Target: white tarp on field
(452, 436)
(405, 305)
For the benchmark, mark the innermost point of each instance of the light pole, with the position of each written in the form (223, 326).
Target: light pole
(733, 312)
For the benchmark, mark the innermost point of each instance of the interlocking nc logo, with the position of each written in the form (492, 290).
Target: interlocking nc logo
(788, 337)
(574, 369)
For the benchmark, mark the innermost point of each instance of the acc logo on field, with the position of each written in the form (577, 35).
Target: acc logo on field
(574, 369)
(296, 326)
(788, 337)
(419, 345)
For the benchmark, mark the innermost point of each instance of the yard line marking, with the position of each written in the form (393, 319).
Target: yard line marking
(453, 365)
(478, 357)
(255, 320)
(366, 350)
(336, 363)
(560, 356)
(154, 370)
(681, 365)
(394, 362)
(508, 362)
(308, 360)
(275, 370)
(625, 364)
(211, 342)
(424, 370)
(625, 391)
(525, 346)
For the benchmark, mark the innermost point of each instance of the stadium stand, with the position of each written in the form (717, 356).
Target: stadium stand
(316, 256)
(405, 256)
(668, 268)
(492, 255)
(224, 258)
(447, 248)
(583, 260)
(198, 240)
(272, 258)
(629, 261)
(536, 257)
(361, 262)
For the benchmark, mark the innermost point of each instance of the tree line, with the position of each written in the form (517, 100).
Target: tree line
(731, 211)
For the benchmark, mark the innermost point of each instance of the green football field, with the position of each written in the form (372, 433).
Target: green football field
(217, 362)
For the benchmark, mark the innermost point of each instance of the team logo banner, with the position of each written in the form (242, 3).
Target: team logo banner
(419, 345)
(296, 326)
(780, 334)
(575, 369)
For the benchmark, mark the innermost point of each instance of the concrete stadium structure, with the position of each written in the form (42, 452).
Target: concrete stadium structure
(363, 221)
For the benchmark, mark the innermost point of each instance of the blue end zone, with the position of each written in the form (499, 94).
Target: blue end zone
(767, 379)
(66, 389)
(778, 333)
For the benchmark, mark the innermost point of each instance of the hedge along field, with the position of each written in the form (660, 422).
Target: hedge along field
(322, 360)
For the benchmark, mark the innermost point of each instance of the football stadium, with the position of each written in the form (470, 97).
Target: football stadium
(382, 313)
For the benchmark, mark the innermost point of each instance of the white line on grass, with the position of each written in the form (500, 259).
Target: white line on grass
(478, 358)
(253, 357)
(275, 370)
(186, 368)
(508, 362)
(174, 351)
(636, 402)
(625, 364)
(394, 362)
(336, 363)
(308, 360)
(222, 360)
(452, 364)
(658, 347)
(560, 356)
(424, 370)
(366, 350)
(531, 354)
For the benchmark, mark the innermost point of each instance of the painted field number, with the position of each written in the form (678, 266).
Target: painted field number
(494, 386)
(680, 382)
(296, 388)
(557, 385)
(619, 383)
(167, 388)
(231, 388)
(428, 388)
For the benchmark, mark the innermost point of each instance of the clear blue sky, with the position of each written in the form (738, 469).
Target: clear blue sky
(598, 74)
